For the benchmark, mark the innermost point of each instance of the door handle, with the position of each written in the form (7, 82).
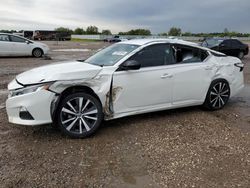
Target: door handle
(166, 76)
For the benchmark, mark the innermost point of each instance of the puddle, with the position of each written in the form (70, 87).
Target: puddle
(71, 50)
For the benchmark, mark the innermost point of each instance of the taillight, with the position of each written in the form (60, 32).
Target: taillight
(239, 65)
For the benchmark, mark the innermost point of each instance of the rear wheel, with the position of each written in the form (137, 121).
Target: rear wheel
(241, 55)
(37, 52)
(218, 95)
(79, 115)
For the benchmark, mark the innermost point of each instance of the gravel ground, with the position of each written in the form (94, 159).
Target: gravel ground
(187, 147)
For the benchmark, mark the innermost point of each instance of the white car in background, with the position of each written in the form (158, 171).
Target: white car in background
(13, 45)
(127, 78)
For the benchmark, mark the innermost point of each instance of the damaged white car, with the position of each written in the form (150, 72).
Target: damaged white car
(127, 78)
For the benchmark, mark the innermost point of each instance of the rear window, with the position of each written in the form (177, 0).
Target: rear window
(186, 54)
(4, 38)
(211, 42)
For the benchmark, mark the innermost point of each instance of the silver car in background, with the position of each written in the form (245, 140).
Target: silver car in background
(13, 45)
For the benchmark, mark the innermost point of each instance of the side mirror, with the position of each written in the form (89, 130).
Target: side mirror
(222, 45)
(131, 65)
(27, 42)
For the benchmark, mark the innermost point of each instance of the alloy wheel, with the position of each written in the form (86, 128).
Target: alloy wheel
(219, 95)
(79, 115)
(37, 53)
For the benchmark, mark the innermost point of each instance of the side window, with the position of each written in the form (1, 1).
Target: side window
(186, 54)
(16, 39)
(236, 43)
(154, 55)
(226, 43)
(4, 38)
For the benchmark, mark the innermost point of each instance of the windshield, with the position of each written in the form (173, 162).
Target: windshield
(111, 55)
(211, 42)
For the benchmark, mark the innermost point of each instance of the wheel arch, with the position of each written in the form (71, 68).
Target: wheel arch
(67, 91)
(39, 49)
(216, 80)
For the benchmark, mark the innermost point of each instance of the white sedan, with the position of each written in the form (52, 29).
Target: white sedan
(127, 78)
(13, 45)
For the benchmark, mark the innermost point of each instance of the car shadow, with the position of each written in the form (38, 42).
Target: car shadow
(51, 132)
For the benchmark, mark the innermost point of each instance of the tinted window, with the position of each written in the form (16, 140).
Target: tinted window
(154, 55)
(236, 43)
(16, 39)
(226, 42)
(4, 38)
(211, 42)
(186, 54)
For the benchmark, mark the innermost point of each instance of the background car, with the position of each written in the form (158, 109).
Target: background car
(115, 38)
(126, 78)
(13, 45)
(231, 47)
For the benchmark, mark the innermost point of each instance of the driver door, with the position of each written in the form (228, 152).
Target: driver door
(148, 87)
(19, 46)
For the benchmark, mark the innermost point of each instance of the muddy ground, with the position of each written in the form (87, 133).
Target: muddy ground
(178, 148)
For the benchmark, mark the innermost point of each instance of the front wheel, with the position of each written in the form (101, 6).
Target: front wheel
(218, 95)
(79, 115)
(37, 52)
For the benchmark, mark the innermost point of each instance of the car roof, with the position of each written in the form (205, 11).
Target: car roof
(142, 42)
(5, 34)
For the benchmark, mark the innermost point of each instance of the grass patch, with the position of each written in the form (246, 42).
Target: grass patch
(84, 40)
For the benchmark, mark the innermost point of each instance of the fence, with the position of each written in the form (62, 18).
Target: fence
(101, 37)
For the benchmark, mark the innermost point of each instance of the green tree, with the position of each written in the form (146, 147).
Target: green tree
(106, 32)
(174, 31)
(79, 31)
(64, 29)
(136, 32)
(187, 34)
(92, 30)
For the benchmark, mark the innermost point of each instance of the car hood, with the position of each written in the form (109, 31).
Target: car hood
(60, 71)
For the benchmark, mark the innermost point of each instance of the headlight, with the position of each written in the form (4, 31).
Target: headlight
(29, 89)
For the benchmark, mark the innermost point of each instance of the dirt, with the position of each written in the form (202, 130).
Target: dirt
(188, 147)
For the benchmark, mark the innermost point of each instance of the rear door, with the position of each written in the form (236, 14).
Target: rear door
(5, 45)
(192, 75)
(226, 47)
(236, 47)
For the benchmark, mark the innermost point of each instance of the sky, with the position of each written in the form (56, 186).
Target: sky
(122, 15)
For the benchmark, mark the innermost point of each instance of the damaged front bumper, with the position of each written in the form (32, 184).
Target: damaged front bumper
(31, 108)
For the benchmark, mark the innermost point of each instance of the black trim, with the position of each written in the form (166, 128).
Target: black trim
(25, 115)
(26, 85)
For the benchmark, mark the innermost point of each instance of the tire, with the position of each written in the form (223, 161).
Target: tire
(241, 55)
(37, 52)
(79, 115)
(218, 95)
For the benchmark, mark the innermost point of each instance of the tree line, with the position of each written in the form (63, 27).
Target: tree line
(173, 31)
(92, 30)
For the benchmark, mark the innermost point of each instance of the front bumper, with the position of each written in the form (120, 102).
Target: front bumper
(45, 51)
(37, 104)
